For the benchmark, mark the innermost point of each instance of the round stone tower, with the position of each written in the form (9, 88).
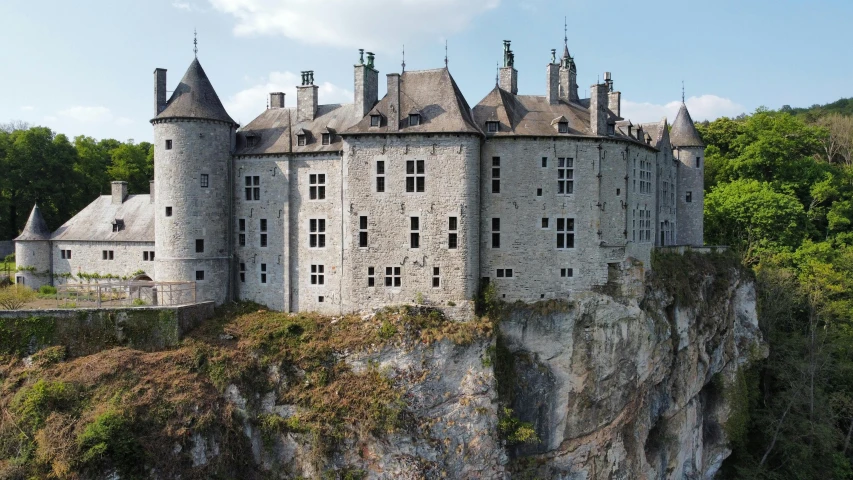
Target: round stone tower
(193, 139)
(33, 253)
(689, 149)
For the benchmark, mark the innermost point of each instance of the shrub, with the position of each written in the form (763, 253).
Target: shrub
(47, 290)
(514, 430)
(13, 298)
(110, 439)
(32, 405)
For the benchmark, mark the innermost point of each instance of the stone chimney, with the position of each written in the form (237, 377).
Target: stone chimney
(393, 102)
(151, 191)
(614, 99)
(306, 98)
(552, 88)
(366, 84)
(508, 76)
(159, 90)
(598, 116)
(277, 100)
(119, 190)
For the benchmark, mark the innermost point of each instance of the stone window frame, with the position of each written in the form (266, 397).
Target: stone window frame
(493, 126)
(415, 230)
(263, 236)
(566, 230)
(316, 235)
(393, 277)
(301, 140)
(242, 272)
(505, 273)
(544, 162)
(317, 274)
(148, 256)
(496, 175)
(169, 144)
(371, 277)
(567, 272)
(495, 229)
(168, 211)
(241, 229)
(199, 245)
(205, 180)
(65, 254)
(317, 186)
(565, 176)
(379, 172)
(688, 198)
(363, 236)
(326, 138)
(562, 127)
(436, 277)
(452, 233)
(263, 274)
(107, 254)
(252, 186)
(375, 120)
(545, 223)
(414, 119)
(417, 175)
(199, 276)
(645, 177)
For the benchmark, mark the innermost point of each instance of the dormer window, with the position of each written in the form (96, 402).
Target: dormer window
(251, 141)
(563, 127)
(611, 129)
(375, 120)
(492, 127)
(118, 225)
(301, 138)
(414, 119)
(327, 138)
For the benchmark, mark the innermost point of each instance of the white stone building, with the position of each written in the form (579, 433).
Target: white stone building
(412, 197)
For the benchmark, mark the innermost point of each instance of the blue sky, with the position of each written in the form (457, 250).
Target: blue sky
(85, 67)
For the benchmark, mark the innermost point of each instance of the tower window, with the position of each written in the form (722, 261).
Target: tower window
(263, 273)
(263, 228)
(318, 276)
(242, 272)
(317, 186)
(380, 176)
(199, 275)
(689, 198)
(491, 127)
(317, 233)
(253, 188)
(362, 231)
(565, 176)
(205, 180)
(698, 162)
(199, 246)
(371, 277)
(327, 138)
(241, 225)
(565, 233)
(415, 232)
(168, 211)
(496, 174)
(392, 277)
(544, 162)
(436, 277)
(496, 235)
(168, 144)
(452, 235)
(415, 176)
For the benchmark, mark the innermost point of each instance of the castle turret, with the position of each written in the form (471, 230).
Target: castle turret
(689, 150)
(193, 142)
(32, 252)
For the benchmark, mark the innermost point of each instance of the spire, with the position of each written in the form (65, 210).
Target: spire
(497, 73)
(683, 133)
(445, 53)
(682, 92)
(404, 58)
(195, 98)
(195, 43)
(36, 227)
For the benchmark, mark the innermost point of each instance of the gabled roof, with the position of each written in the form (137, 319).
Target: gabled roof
(659, 133)
(36, 227)
(434, 95)
(277, 130)
(195, 97)
(95, 222)
(684, 132)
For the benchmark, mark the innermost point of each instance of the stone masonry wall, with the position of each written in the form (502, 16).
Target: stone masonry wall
(691, 179)
(33, 255)
(88, 257)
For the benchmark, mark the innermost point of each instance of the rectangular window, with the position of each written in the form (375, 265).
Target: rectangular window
(504, 273)
(415, 232)
(380, 176)
(317, 186)
(66, 254)
(168, 144)
(263, 273)
(645, 177)
(362, 231)
(168, 211)
(689, 198)
(436, 277)
(565, 176)
(318, 276)
(371, 277)
(565, 233)
(375, 120)
(415, 176)
(253, 188)
(300, 140)
(392, 277)
(452, 234)
(544, 162)
(241, 225)
(327, 138)
(147, 256)
(496, 235)
(199, 275)
(242, 272)
(492, 127)
(108, 255)
(545, 222)
(698, 162)
(263, 228)
(205, 180)
(317, 233)
(566, 272)
(496, 174)
(199, 246)
(562, 127)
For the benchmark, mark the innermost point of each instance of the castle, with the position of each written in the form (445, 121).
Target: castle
(336, 208)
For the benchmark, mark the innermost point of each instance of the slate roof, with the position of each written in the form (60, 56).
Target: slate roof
(36, 227)
(195, 97)
(684, 132)
(95, 222)
(658, 131)
(431, 93)
(275, 131)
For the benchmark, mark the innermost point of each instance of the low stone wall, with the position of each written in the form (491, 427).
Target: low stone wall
(86, 331)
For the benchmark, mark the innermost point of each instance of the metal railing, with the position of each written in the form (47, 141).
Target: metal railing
(125, 294)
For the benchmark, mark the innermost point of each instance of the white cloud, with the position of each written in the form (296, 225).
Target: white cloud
(247, 104)
(185, 6)
(87, 114)
(371, 24)
(27, 108)
(704, 107)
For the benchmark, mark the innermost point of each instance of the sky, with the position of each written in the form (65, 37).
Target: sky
(86, 67)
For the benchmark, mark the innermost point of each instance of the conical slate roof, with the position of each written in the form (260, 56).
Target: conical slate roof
(683, 132)
(36, 228)
(195, 98)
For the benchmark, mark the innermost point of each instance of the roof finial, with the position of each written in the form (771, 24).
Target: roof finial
(404, 58)
(497, 72)
(445, 53)
(566, 31)
(682, 92)
(195, 43)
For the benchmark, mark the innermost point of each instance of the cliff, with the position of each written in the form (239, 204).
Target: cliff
(637, 380)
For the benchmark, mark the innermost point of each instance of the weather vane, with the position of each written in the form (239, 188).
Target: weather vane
(566, 30)
(404, 58)
(195, 43)
(682, 92)
(445, 53)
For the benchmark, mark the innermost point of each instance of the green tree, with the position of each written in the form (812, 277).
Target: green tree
(134, 164)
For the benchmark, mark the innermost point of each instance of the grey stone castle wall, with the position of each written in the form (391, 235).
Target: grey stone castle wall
(87, 257)
(691, 179)
(198, 147)
(33, 255)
